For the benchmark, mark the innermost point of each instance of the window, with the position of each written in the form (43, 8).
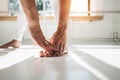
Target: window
(13, 7)
(82, 9)
(78, 7)
(45, 7)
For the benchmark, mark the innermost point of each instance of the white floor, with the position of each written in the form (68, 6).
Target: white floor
(85, 61)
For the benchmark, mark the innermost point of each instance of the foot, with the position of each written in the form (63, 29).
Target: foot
(13, 43)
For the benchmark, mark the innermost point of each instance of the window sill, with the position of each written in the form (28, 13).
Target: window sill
(74, 18)
(8, 18)
(86, 18)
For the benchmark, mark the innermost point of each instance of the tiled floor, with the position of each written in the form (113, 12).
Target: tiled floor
(98, 61)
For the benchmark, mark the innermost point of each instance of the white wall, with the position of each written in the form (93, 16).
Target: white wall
(78, 30)
(3, 7)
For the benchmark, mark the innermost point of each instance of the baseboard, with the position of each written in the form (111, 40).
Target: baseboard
(91, 40)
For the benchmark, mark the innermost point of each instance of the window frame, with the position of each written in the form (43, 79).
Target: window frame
(88, 17)
(89, 7)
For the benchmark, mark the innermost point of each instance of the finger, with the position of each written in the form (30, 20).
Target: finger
(62, 48)
(47, 54)
(44, 53)
(50, 48)
(47, 45)
(53, 47)
(51, 40)
(56, 54)
(56, 44)
(63, 53)
(41, 54)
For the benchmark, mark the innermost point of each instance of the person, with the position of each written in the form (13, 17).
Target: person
(22, 24)
(39, 5)
(57, 45)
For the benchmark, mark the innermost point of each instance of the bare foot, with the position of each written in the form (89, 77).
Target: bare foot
(13, 43)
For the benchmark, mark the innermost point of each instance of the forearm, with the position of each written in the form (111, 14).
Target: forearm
(32, 16)
(36, 33)
(64, 14)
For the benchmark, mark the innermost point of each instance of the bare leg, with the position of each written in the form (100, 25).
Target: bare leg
(31, 13)
(60, 36)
